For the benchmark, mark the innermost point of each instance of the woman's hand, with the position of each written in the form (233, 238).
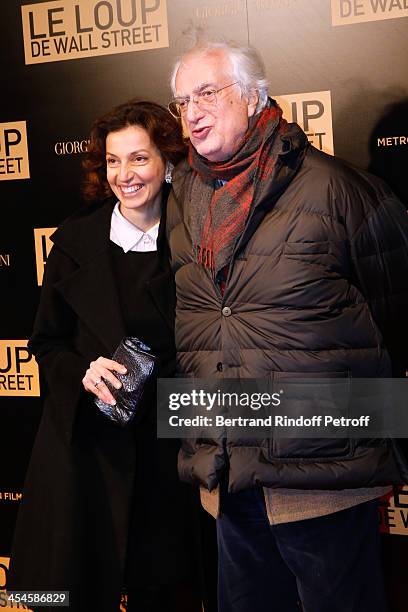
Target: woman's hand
(101, 370)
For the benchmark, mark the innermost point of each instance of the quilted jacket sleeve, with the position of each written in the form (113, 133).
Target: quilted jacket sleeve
(379, 251)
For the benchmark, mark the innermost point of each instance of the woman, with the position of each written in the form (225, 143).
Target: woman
(103, 508)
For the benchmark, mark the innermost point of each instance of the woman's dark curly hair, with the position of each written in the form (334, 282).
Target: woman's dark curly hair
(164, 131)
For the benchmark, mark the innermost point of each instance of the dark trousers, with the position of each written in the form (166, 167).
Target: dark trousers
(326, 564)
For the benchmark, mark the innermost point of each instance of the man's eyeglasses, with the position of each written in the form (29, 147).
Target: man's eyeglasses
(204, 99)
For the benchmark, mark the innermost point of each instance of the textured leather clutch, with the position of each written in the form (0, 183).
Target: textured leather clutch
(140, 364)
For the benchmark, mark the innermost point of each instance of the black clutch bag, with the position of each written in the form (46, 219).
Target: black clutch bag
(140, 364)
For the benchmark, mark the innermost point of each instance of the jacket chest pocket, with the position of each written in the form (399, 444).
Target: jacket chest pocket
(307, 252)
(311, 402)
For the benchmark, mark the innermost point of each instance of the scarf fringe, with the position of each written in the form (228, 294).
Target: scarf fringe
(205, 257)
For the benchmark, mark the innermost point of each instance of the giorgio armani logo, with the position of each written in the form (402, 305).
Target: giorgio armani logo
(62, 29)
(356, 11)
(273, 4)
(18, 370)
(312, 111)
(13, 151)
(43, 245)
(71, 147)
(4, 260)
(230, 8)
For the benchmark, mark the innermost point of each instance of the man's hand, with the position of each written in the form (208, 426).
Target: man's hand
(99, 371)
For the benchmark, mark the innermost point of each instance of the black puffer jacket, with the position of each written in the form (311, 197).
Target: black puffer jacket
(320, 287)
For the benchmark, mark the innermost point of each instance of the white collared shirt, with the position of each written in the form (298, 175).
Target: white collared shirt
(129, 237)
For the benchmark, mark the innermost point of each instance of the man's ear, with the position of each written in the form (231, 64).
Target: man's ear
(253, 99)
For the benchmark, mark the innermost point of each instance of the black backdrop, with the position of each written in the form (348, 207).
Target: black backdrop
(339, 67)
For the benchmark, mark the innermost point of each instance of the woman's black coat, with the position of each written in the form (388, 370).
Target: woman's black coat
(73, 522)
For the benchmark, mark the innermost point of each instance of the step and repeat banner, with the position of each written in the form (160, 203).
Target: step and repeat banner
(337, 68)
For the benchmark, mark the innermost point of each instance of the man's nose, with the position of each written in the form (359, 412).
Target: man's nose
(194, 112)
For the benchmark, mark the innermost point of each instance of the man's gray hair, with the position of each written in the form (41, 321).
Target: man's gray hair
(247, 67)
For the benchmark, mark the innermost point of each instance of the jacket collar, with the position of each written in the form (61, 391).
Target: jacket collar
(91, 289)
(86, 233)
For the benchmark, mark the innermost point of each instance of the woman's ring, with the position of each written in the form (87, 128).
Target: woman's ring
(98, 382)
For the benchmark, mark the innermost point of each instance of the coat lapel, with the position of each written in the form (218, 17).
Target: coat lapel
(91, 290)
(161, 288)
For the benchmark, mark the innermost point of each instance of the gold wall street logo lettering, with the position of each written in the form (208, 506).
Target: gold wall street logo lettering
(312, 111)
(71, 147)
(357, 11)
(4, 260)
(43, 245)
(18, 370)
(13, 151)
(63, 29)
(4, 568)
(4, 565)
(394, 512)
(392, 141)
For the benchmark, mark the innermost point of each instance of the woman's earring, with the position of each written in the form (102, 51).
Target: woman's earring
(169, 170)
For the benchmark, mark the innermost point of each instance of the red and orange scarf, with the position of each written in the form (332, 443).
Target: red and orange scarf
(218, 216)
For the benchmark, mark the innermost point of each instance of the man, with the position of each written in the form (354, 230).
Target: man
(288, 263)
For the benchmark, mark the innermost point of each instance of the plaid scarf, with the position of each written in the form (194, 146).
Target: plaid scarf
(218, 216)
